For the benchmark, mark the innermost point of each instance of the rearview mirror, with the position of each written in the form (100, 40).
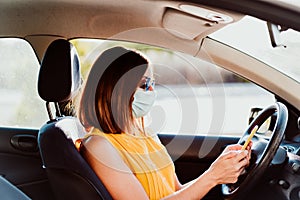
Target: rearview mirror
(274, 32)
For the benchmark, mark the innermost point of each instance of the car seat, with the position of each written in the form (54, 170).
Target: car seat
(69, 174)
(8, 191)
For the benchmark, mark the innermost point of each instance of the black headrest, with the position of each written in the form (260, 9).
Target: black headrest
(59, 76)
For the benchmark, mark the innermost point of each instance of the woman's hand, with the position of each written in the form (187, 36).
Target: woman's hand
(229, 165)
(226, 169)
(237, 147)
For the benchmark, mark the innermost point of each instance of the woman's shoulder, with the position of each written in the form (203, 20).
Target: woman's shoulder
(95, 136)
(98, 146)
(99, 152)
(95, 141)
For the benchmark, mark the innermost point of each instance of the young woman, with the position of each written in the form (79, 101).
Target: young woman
(131, 162)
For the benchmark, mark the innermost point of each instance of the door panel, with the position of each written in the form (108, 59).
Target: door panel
(21, 164)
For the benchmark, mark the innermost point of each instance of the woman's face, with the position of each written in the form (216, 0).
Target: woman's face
(144, 96)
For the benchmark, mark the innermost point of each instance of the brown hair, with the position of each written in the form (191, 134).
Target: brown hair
(108, 94)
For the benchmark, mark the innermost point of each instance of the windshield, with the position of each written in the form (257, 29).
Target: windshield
(252, 37)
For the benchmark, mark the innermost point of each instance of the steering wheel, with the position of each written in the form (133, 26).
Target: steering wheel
(262, 150)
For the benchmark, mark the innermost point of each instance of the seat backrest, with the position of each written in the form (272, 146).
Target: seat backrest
(69, 174)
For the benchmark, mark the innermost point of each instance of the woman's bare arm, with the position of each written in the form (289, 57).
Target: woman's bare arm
(225, 169)
(121, 182)
(111, 169)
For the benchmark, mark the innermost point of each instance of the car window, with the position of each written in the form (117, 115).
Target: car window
(20, 104)
(251, 35)
(193, 96)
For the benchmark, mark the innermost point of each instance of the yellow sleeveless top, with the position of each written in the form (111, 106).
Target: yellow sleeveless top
(148, 159)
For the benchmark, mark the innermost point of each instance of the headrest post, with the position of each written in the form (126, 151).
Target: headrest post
(58, 113)
(49, 111)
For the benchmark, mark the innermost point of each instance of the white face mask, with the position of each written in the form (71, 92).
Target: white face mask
(143, 102)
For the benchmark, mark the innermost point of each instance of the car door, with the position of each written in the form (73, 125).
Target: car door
(21, 163)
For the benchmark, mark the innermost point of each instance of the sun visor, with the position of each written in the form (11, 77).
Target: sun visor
(193, 23)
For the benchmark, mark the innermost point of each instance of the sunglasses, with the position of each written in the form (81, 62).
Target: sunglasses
(147, 83)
